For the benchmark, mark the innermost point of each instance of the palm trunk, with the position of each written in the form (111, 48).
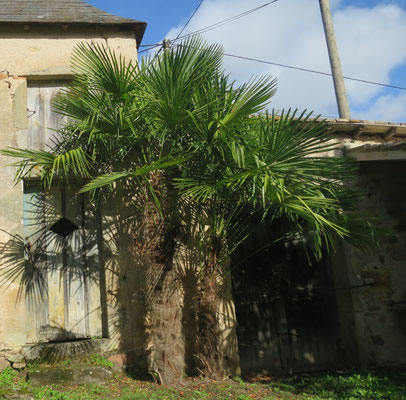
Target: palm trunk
(163, 309)
(209, 352)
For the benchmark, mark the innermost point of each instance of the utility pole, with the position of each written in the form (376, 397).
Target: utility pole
(339, 87)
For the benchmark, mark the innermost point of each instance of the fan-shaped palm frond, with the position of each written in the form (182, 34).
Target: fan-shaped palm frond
(47, 166)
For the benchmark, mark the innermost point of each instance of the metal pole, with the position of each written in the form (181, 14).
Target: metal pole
(339, 87)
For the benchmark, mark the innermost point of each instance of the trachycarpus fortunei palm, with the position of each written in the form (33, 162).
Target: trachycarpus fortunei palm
(188, 139)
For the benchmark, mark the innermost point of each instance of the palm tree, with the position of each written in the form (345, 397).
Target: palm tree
(183, 136)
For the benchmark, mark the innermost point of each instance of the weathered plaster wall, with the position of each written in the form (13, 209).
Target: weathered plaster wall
(34, 52)
(376, 285)
(47, 51)
(12, 315)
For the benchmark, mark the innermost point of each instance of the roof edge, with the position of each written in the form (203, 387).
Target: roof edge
(138, 27)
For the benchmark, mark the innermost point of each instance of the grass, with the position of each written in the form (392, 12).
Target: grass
(385, 385)
(99, 360)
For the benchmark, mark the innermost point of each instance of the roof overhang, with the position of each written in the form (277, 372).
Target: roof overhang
(386, 140)
(378, 152)
(368, 130)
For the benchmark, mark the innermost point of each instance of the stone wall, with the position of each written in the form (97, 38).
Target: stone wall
(372, 298)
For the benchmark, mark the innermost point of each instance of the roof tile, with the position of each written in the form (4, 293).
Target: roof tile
(63, 11)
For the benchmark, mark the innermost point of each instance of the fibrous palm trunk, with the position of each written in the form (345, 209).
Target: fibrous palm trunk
(209, 352)
(163, 309)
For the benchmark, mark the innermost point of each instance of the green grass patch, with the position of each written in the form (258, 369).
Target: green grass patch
(99, 360)
(385, 385)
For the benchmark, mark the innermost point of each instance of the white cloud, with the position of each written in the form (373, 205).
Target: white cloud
(389, 108)
(371, 42)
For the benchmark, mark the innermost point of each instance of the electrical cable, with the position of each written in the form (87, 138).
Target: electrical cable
(314, 71)
(149, 49)
(187, 23)
(207, 28)
(221, 23)
(309, 70)
(238, 16)
(150, 45)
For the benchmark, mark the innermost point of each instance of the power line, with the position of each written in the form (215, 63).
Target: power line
(314, 71)
(150, 48)
(308, 70)
(238, 16)
(153, 46)
(221, 23)
(210, 27)
(187, 23)
(149, 45)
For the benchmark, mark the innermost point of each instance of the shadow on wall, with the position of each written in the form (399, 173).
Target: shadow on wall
(125, 279)
(81, 277)
(132, 285)
(56, 265)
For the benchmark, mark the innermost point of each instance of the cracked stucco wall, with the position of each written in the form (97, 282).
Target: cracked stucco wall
(31, 53)
(12, 315)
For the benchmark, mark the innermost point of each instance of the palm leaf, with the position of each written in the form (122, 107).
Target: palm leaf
(47, 165)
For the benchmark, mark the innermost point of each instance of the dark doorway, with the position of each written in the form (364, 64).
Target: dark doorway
(285, 305)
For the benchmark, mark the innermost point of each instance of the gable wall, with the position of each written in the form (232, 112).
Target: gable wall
(47, 50)
(31, 53)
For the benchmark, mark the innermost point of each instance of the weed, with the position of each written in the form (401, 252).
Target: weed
(98, 360)
(8, 377)
(239, 380)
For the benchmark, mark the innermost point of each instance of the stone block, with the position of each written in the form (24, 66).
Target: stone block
(123, 360)
(3, 364)
(15, 358)
(32, 354)
(19, 365)
(81, 374)
(19, 396)
(55, 352)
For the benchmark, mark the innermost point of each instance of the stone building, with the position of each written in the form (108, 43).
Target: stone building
(372, 302)
(61, 304)
(348, 311)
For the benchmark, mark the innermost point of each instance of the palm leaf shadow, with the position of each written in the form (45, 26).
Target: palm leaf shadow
(28, 261)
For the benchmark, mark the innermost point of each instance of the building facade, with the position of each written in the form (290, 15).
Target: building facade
(349, 311)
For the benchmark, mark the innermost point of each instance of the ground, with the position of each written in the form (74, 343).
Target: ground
(378, 385)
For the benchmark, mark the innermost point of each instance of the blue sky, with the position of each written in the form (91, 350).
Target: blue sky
(160, 15)
(371, 36)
